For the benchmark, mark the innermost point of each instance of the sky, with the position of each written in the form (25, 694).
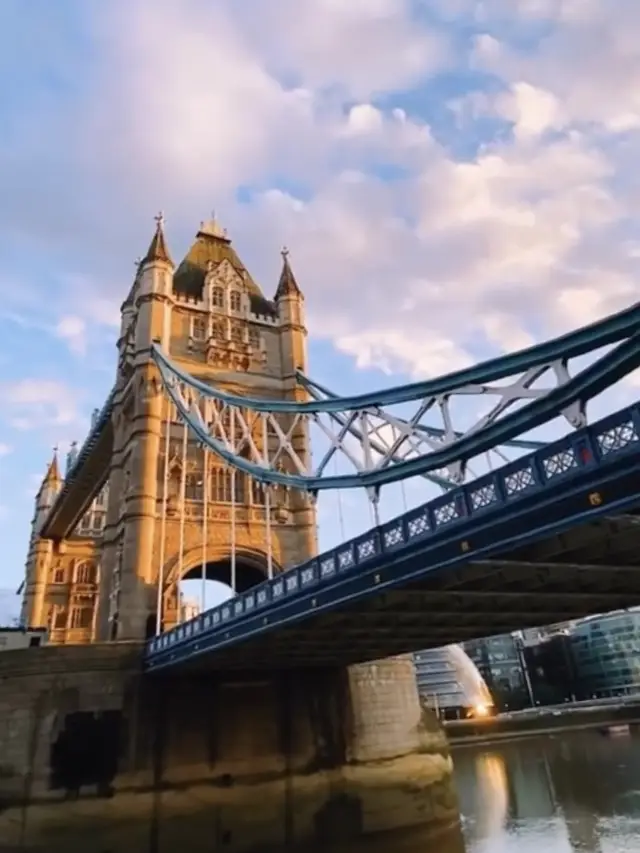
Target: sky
(454, 179)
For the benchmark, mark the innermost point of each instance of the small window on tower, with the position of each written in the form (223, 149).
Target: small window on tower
(254, 337)
(58, 575)
(218, 297)
(235, 300)
(198, 328)
(219, 329)
(193, 487)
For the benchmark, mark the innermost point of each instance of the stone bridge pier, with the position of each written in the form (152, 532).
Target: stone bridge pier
(96, 757)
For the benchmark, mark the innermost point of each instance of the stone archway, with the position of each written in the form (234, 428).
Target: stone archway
(251, 570)
(252, 558)
(248, 573)
(251, 566)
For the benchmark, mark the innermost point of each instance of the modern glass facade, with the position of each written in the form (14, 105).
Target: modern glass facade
(499, 661)
(606, 654)
(552, 671)
(449, 681)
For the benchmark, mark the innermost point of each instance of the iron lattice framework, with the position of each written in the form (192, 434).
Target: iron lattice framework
(384, 436)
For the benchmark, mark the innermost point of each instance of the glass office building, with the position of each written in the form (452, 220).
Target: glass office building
(499, 662)
(449, 682)
(606, 654)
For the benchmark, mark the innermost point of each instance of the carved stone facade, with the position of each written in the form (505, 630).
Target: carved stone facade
(213, 320)
(62, 581)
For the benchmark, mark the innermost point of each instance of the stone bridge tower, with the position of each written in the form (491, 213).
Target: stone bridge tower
(61, 579)
(213, 320)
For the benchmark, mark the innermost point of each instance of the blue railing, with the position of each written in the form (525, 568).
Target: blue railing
(539, 471)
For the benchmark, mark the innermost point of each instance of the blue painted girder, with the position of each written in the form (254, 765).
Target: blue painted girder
(589, 383)
(611, 330)
(592, 472)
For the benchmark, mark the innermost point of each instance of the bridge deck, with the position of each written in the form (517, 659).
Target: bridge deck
(592, 568)
(84, 481)
(553, 536)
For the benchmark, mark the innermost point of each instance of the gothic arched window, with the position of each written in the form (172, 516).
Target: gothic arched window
(235, 300)
(85, 573)
(221, 482)
(221, 485)
(193, 487)
(258, 493)
(217, 297)
(199, 328)
(241, 492)
(219, 329)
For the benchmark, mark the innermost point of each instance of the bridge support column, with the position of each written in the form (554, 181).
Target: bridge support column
(398, 761)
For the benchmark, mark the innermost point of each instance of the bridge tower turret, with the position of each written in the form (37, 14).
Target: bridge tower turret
(289, 301)
(38, 563)
(128, 544)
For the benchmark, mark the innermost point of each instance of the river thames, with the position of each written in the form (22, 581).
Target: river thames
(573, 792)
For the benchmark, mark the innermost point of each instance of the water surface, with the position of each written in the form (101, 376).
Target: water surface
(573, 793)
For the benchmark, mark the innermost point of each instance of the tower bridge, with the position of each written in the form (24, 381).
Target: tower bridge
(200, 465)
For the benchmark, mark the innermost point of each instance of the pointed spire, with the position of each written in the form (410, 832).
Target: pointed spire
(158, 250)
(53, 471)
(287, 286)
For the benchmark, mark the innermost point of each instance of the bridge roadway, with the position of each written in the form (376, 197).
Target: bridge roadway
(554, 535)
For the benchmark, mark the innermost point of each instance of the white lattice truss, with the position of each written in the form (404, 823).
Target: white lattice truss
(371, 438)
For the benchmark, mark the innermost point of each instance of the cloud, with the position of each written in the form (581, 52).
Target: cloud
(314, 43)
(5, 449)
(73, 330)
(415, 255)
(31, 404)
(607, 92)
(533, 111)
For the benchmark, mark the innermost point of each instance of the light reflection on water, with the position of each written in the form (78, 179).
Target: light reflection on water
(575, 793)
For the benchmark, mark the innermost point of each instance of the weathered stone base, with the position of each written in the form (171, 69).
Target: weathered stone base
(407, 799)
(96, 757)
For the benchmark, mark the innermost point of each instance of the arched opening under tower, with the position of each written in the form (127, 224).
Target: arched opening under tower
(201, 590)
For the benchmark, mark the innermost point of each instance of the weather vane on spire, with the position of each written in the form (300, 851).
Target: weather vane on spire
(159, 218)
(285, 252)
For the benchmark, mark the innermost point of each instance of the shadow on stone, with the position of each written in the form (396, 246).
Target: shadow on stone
(85, 753)
(340, 819)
